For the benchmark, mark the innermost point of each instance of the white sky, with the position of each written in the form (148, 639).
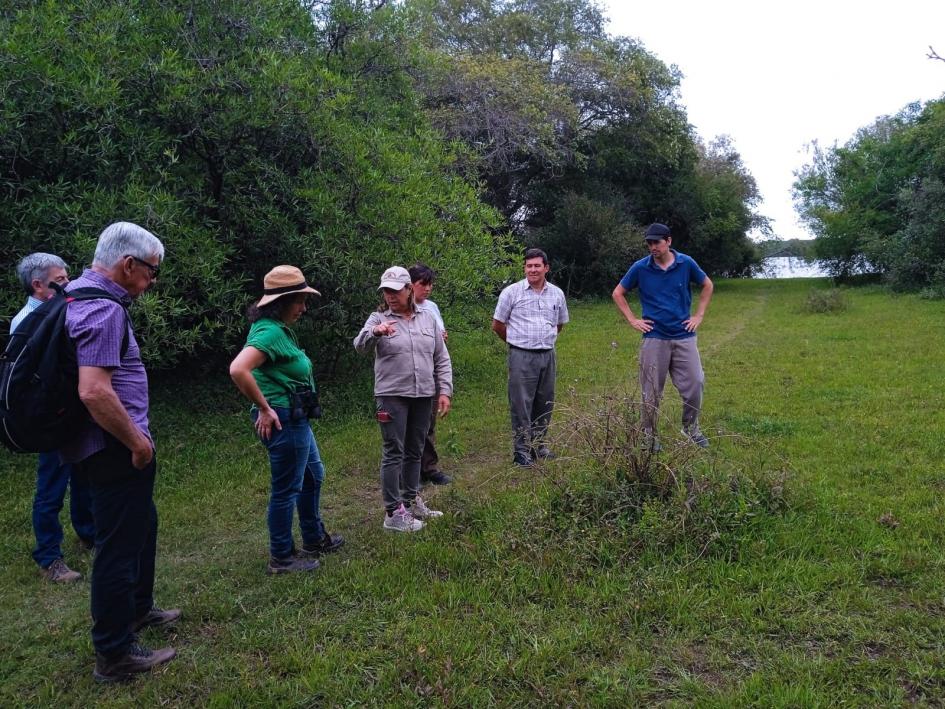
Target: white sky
(777, 75)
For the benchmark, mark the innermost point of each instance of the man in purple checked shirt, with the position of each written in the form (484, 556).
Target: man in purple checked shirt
(115, 452)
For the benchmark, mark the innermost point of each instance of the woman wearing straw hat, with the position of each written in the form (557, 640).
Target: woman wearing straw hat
(411, 363)
(275, 374)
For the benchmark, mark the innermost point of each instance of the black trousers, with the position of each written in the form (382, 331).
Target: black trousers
(125, 544)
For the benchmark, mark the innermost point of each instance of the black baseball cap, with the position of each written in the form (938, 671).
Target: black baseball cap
(656, 231)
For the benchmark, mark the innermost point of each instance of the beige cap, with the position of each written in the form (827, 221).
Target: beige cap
(395, 278)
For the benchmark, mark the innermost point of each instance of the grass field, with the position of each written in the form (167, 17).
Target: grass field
(836, 600)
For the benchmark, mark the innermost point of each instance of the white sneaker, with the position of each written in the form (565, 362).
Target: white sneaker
(402, 521)
(420, 510)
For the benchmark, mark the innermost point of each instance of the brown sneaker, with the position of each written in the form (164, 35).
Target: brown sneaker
(156, 616)
(58, 572)
(137, 659)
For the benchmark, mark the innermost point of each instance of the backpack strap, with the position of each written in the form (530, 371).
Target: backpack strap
(92, 293)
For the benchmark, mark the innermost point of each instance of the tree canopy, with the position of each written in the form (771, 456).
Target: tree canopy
(343, 136)
(243, 135)
(876, 201)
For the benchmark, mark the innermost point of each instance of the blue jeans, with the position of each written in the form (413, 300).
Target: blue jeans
(297, 475)
(51, 482)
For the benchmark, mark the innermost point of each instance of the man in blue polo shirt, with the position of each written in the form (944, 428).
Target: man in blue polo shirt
(669, 330)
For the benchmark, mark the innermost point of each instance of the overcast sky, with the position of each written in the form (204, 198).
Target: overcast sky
(776, 76)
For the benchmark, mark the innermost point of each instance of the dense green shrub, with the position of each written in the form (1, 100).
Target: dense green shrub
(591, 243)
(244, 133)
(875, 203)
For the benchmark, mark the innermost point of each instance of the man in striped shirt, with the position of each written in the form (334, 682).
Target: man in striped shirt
(528, 317)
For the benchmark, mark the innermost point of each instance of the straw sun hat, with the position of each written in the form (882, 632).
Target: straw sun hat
(283, 280)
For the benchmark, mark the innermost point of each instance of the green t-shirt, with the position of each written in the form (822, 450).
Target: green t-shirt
(286, 367)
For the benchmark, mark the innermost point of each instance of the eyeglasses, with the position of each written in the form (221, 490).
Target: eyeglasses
(154, 270)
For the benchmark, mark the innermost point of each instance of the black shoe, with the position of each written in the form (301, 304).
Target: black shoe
(326, 545)
(293, 563)
(437, 477)
(156, 616)
(522, 460)
(135, 660)
(543, 452)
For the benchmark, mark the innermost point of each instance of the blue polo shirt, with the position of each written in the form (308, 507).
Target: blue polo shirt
(665, 295)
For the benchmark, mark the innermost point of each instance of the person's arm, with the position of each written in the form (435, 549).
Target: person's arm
(705, 295)
(98, 395)
(374, 328)
(443, 374)
(620, 300)
(498, 327)
(241, 372)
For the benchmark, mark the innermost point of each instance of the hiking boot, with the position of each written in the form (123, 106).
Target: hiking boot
(155, 617)
(694, 435)
(136, 659)
(543, 452)
(58, 572)
(326, 545)
(522, 460)
(437, 477)
(290, 565)
(420, 510)
(400, 520)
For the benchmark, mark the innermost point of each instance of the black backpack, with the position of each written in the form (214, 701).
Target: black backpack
(40, 409)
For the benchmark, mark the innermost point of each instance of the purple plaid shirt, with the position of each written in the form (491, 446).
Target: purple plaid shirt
(97, 328)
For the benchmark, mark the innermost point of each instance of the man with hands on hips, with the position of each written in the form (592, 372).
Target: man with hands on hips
(669, 330)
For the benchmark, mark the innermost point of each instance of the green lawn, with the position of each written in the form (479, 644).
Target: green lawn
(837, 600)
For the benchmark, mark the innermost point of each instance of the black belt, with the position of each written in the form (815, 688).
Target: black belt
(525, 349)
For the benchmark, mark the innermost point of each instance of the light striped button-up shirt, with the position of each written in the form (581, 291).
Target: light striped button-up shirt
(31, 305)
(531, 318)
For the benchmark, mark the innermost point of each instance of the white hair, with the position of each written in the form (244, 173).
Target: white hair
(123, 239)
(36, 266)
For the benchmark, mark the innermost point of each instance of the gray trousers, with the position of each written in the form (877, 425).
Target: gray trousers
(404, 421)
(679, 358)
(531, 396)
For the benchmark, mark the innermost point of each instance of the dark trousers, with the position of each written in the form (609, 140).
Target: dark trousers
(430, 460)
(126, 543)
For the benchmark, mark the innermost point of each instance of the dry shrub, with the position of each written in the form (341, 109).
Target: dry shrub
(830, 300)
(608, 485)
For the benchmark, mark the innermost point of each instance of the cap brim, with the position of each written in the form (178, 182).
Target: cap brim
(393, 285)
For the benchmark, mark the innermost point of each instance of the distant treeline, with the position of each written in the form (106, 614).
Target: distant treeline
(344, 137)
(880, 199)
(801, 248)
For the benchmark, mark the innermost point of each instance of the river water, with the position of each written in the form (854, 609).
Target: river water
(791, 267)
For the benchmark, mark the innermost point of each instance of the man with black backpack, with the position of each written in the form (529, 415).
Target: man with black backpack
(115, 452)
(40, 274)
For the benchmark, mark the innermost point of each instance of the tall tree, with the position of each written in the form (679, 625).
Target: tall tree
(245, 133)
